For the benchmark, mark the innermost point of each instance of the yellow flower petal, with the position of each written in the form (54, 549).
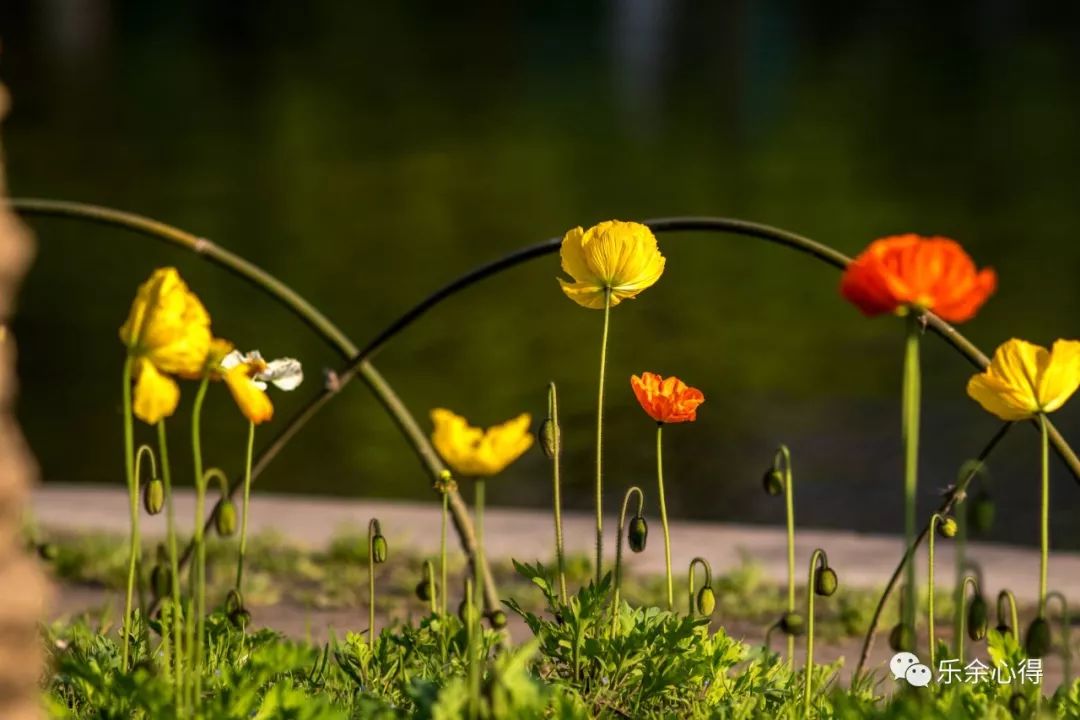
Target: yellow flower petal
(156, 394)
(252, 401)
(1061, 377)
(620, 257)
(1024, 379)
(474, 452)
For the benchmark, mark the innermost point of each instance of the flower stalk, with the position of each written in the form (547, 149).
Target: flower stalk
(702, 602)
(969, 581)
(1066, 639)
(376, 555)
(195, 624)
(600, 441)
(635, 490)
(819, 563)
(244, 510)
(911, 399)
(553, 443)
(1010, 622)
(133, 499)
(663, 515)
(935, 520)
(782, 471)
(174, 567)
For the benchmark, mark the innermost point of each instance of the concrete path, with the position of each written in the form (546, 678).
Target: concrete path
(860, 560)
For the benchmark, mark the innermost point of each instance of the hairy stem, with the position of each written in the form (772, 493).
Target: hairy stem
(1044, 516)
(556, 480)
(911, 397)
(133, 501)
(600, 439)
(663, 514)
(198, 622)
(174, 567)
(617, 585)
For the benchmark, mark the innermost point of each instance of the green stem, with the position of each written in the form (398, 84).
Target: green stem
(816, 558)
(473, 667)
(690, 581)
(373, 526)
(244, 518)
(429, 575)
(475, 615)
(951, 499)
(663, 515)
(618, 553)
(133, 502)
(1006, 596)
(1044, 516)
(959, 558)
(911, 397)
(442, 547)
(600, 439)
(968, 581)
(174, 566)
(478, 567)
(200, 544)
(560, 558)
(934, 520)
(1066, 639)
(789, 502)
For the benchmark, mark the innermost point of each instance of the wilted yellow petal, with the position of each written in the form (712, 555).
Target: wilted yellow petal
(253, 402)
(156, 394)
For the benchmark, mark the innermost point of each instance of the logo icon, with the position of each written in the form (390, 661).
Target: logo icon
(906, 666)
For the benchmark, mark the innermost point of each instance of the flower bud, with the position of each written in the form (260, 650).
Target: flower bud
(1018, 704)
(240, 619)
(497, 618)
(154, 497)
(981, 513)
(464, 614)
(947, 528)
(792, 624)
(1003, 628)
(637, 533)
(825, 581)
(378, 549)
(706, 601)
(773, 482)
(424, 590)
(225, 518)
(161, 581)
(48, 551)
(902, 638)
(976, 618)
(548, 437)
(234, 602)
(1037, 642)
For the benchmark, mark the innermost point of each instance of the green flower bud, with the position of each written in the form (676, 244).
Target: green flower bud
(497, 618)
(825, 581)
(706, 601)
(154, 497)
(977, 618)
(225, 518)
(240, 619)
(548, 437)
(424, 590)
(947, 528)
(234, 602)
(1037, 642)
(1018, 704)
(463, 613)
(981, 513)
(1003, 628)
(48, 551)
(637, 533)
(902, 638)
(773, 482)
(792, 624)
(161, 581)
(378, 548)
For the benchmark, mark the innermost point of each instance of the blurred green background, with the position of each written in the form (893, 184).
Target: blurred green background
(366, 153)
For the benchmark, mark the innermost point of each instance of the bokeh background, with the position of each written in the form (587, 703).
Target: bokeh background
(366, 153)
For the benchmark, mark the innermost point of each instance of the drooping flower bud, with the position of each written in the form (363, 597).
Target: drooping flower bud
(981, 513)
(977, 618)
(548, 438)
(947, 528)
(463, 612)
(154, 497)
(706, 601)
(773, 482)
(825, 581)
(424, 590)
(497, 618)
(1037, 641)
(233, 601)
(902, 638)
(225, 518)
(792, 624)
(1003, 628)
(378, 547)
(637, 533)
(161, 581)
(1018, 704)
(240, 619)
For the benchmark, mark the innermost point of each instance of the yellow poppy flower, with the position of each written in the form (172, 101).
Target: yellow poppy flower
(247, 376)
(620, 256)
(1024, 379)
(473, 452)
(167, 332)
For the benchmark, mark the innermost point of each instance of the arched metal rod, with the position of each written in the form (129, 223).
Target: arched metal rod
(311, 316)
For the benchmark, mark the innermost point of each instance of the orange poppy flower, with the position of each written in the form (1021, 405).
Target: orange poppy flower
(666, 400)
(901, 272)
